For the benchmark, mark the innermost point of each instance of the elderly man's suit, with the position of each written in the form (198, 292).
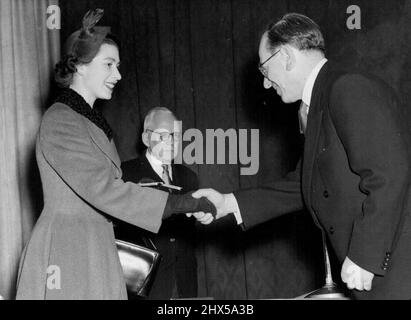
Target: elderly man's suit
(176, 238)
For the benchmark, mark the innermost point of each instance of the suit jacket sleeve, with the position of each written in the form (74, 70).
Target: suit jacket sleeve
(70, 151)
(369, 128)
(271, 200)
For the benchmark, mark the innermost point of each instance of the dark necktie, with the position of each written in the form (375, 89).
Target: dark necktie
(165, 175)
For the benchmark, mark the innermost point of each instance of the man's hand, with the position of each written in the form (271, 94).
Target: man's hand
(356, 277)
(216, 198)
(204, 218)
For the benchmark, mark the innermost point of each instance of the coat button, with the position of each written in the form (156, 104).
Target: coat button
(325, 194)
(172, 239)
(384, 268)
(388, 254)
(331, 230)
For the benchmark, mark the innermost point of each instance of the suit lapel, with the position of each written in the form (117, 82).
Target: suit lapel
(310, 147)
(147, 171)
(100, 139)
(313, 131)
(177, 177)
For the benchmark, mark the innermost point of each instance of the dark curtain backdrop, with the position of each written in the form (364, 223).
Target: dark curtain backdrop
(199, 59)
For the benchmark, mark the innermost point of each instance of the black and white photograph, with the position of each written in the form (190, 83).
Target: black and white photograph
(206, 154)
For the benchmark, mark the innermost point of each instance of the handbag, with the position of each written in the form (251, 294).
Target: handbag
(139, 266)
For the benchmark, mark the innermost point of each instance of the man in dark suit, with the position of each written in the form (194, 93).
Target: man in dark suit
(177, 273)
(354, 174)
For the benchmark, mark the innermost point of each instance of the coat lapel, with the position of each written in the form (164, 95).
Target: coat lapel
(106, 146)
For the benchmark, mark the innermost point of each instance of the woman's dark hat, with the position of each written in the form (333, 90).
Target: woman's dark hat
(84, 44)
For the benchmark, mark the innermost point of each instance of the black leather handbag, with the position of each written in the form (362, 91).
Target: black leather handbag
(139, 265)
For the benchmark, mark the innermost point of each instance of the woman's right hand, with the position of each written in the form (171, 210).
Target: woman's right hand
(179, 204)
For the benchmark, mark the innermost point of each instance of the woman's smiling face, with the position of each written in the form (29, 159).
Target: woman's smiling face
(101, 75)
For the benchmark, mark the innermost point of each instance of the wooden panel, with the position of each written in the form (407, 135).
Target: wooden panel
(404, 76)
(213, 80)
(123, 110)
(213, 83)
(166, 40)
(183, 77)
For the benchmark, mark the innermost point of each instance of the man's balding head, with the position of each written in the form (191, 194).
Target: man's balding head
(158, 123)
(159, 117)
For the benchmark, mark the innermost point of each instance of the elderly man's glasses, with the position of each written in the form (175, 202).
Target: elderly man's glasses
(260, 65)
(165, 136)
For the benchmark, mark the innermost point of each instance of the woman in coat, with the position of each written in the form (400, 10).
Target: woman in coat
(72, 253)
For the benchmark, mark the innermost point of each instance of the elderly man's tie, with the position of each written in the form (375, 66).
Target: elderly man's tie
(165, 175)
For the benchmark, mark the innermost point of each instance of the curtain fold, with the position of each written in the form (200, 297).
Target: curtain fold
(29, 51)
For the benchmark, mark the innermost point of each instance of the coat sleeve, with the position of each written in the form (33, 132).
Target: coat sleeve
(68, 148)
(192, 183)
(366, 116)
(271, 200)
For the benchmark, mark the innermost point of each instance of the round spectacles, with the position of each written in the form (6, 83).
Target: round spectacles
(260, 65)
(165, 136)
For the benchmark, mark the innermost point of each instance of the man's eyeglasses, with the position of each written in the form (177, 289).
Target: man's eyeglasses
(260, 65)
(165, 136)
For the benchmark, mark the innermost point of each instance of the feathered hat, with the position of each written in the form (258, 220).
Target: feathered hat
(84, 44)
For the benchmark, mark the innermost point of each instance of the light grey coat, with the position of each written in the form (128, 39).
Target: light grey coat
(71, 253)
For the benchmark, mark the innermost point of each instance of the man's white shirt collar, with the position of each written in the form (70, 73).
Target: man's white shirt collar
(157, 165)
(309, 84)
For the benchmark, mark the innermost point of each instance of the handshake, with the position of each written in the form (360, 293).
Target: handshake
(204, 204)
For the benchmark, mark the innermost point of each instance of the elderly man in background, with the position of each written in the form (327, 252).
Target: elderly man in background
(177, 274)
